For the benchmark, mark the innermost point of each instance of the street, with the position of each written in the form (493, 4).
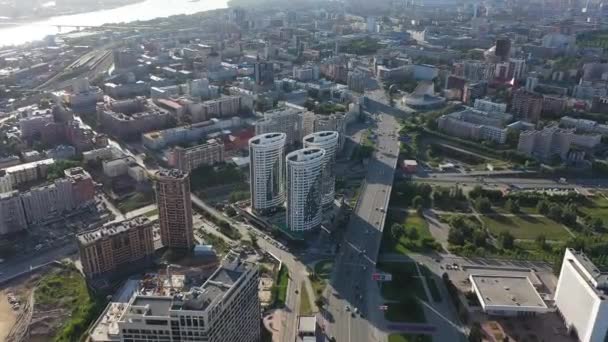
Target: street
(351, 287)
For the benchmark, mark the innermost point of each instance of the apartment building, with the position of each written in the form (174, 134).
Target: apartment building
(328, 141)
(29, 172)
(116, 248)
(527, 105)
(554, 141)
(580, 297)
(224, 308)
(267, 171)
(489, 106)
(12, 216)
(172, 189)
(304, 189)
(128, 119)
(288, 120)
(186, 159)
(476, 125)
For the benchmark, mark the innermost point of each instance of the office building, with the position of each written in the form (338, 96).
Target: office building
(288, 120)
(526, 105)
(186, 159)
(267, 171)
(503, 48)
(580, 297)
(263, 73)
(224, 308)
(172, 189)
(328, 141)
(117, 248)
(12, 216)
(304, 189)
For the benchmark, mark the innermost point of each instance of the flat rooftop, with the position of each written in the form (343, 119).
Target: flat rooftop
(507, 291)
(112, 229)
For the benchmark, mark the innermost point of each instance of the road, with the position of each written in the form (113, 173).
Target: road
(298, 273)
(351, 283)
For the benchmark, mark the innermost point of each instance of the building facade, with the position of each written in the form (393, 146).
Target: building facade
(580, 297)
(267, 171)
(304, 189)
(225, 308)
(172, 189)
(117, 247)
(328, 141)
(12, 216)
(527, 106)
(286, 120)
(187, 159)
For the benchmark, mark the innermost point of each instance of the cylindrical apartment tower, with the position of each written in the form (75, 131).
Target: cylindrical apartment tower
(329, 141)
(267, 171)
(304, 189)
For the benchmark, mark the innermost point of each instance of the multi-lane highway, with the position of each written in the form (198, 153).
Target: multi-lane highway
(351, 289)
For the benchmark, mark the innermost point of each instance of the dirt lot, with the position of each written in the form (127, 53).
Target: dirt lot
(8, 316)
(20, 291)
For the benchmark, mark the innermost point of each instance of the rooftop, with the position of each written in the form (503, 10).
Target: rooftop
(305, 154)
(509, 291)
(31, 165)
(92, 236)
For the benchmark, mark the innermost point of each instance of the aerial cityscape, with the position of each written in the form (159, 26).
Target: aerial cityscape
(304, 171)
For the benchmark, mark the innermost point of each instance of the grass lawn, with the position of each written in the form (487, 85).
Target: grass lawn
(305, 309)
(280, 289)
(407, 310)
(431, 283)
(406, 281)
(524, 210)
(67, 289)
(409, 338)
(405, 288)
(135, 201)
(404, 245)
(525, 227)
(321, 275)
(151, 213)
(598, 208)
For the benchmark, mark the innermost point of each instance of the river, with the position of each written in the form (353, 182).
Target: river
(146, 10)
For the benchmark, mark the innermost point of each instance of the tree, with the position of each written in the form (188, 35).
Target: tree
(418, 202)
(482, 204)
(506, 240)
(456, 237)
(412, 234)
(541, 241)
(569, 216)
(512, 206)
(397, 231)
(543, 207)
(597, 224)
(476, 334)
(555, 212)
(479, 238)
(230, 211)
(254, 241)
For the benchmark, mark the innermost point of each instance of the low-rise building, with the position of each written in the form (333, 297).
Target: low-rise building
(507, 295)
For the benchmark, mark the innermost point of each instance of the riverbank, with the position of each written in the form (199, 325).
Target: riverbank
(141, 11)
(59, 12)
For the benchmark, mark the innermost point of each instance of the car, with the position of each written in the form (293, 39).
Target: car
(357, 311)
(347, 308)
